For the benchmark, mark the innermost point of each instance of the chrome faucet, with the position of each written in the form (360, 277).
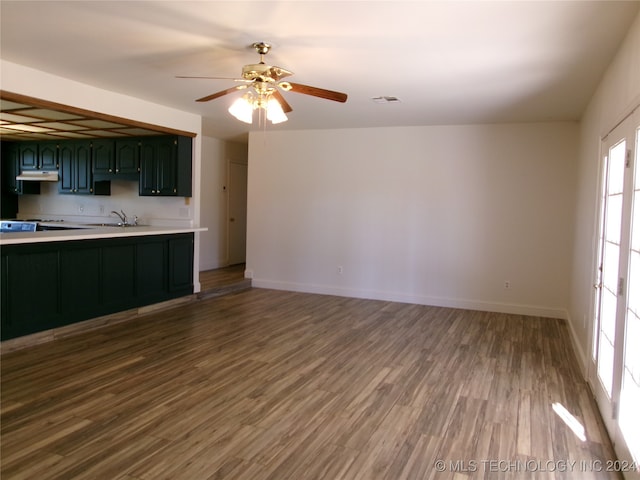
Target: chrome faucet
(122, 216)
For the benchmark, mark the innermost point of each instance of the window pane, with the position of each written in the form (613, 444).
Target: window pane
(605, 364)
(611, 259)
(608, 314)
(614, 218)
(616, 168)
(635, 240)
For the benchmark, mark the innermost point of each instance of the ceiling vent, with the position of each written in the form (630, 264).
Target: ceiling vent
(385, 99)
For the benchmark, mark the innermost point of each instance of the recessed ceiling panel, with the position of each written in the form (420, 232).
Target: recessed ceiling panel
(49, 114)
(61, 126)
(27, 128)
(9, 105)
(12, 117)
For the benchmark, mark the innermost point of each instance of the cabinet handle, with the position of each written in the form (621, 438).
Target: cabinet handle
(117, 170)
(110, 171)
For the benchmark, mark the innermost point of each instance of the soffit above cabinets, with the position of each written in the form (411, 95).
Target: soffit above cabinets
(20, 121)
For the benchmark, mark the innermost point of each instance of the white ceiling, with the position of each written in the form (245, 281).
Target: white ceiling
(449, 62)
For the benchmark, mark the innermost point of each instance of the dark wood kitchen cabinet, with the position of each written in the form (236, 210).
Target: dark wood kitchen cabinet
(38, 155)
(165, 166)
(48, 155)
(11, 153)
(30, 301)
(104, 157)
(49, 285)
(127, 158)
(76, 176)
(28, 156)
(180, 263)
(152, 269)
(80, 277)
(116, 159)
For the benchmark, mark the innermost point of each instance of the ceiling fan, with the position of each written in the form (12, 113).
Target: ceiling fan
(263, 83)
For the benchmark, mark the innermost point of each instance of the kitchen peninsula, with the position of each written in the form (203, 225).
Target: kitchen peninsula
(58, 277)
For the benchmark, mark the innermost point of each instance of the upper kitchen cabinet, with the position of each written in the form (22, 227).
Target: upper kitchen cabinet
(11, 155)
(165, 166)
(76, 177)
(39, 156)
(116, 159)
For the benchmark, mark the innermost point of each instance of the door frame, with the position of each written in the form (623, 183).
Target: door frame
(609, 407)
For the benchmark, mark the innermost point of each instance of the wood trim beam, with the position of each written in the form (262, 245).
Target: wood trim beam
(41, 103)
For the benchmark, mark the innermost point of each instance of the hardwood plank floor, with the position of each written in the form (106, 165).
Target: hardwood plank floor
(279, 385)
(221, 277)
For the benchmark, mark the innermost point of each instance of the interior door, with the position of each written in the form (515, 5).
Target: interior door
(615, 371)
(237, 213)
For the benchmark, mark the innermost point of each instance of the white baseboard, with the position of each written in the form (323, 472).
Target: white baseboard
(467, 304)
(578, 350)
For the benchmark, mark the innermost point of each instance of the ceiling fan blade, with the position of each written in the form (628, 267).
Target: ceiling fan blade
(220, 94)
(318, 92)
(286, 108)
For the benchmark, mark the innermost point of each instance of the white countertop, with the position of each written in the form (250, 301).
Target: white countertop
(85, 232)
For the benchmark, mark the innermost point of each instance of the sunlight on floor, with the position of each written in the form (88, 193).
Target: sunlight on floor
(572, 422)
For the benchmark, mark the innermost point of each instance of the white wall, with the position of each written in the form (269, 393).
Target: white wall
(617, 94)
(435, 215)
(216, 155)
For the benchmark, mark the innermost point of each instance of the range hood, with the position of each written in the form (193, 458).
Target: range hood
(38, 176)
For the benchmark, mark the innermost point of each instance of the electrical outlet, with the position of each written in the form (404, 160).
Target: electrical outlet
(80, 208)
(340, 270)
(507, 284)
(101, 209)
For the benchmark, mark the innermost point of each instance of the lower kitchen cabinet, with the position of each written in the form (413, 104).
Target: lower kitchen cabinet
(119, 276)
(80, 277)
(180, 264)
(152, 269)
(30, 299)
(48, 285)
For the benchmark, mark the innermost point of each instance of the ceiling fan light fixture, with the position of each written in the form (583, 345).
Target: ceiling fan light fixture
(275, 112)
(242, 109)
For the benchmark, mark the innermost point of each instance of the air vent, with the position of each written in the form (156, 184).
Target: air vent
(385, 99)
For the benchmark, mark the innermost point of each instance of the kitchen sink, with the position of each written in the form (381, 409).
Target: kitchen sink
(120, 225)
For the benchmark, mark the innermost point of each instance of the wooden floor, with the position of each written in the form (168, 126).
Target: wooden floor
(221, 277)
(279, 385)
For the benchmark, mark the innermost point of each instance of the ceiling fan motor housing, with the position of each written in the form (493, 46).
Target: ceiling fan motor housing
(255, 70)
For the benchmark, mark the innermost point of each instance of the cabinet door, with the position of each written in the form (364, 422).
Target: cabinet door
(148, 169)
(28, 153)
(48, 156)
(75, 167)
(127, 156)
(66, 157)
(151, 270)
(10, 169)
(181, 264)
(80, 280)
(83, 168)
(158, 166)
(103, 156)
(166, 165)
(30, 296)
(118, 276)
